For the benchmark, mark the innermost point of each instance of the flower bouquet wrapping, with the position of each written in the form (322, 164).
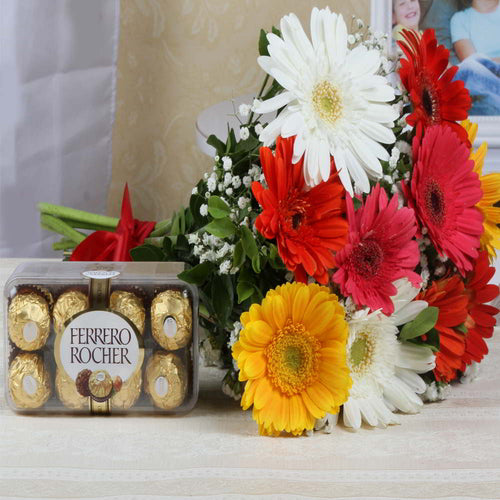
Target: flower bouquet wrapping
(343, 249)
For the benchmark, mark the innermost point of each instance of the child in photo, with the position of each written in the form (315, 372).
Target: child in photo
(475, 33)
(405, 15)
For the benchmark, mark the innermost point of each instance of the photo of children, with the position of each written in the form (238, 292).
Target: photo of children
(470, 29)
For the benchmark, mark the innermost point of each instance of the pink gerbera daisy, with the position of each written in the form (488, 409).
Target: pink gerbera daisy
(380, 250)
(443, 192)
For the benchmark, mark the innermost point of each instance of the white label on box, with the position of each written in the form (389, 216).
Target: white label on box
(161, 386)
(99, 340)
(29, 385)
(100, 274)
(30, 331)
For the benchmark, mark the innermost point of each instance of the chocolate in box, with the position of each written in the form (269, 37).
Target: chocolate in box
(93, 338)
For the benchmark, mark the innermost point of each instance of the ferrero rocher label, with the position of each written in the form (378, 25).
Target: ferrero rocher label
(171, 320)
(68, 305)
(130, 305)
(29, 381)
(166, 380)
(29, 321)
(100, 351)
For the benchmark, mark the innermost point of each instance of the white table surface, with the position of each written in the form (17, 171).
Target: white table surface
(450, 450)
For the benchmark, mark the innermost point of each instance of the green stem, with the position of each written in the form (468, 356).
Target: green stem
(77, 215)
(161, 228)
(58, 226)
(157, 241)
(64, 244)
(85, 225)
(259, 95)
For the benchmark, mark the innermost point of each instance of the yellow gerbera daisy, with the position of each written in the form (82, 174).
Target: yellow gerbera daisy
(292, 352)
(490, 185)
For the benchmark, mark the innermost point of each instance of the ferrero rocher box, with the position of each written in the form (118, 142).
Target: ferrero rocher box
(89, 337)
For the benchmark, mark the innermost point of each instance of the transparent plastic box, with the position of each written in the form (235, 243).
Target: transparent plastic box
(100, 338)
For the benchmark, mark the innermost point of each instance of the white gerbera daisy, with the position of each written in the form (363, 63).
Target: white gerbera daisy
(383, 369)
(336, 103)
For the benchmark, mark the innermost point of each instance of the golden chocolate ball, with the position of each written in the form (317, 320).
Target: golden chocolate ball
(131, 306)
(67, 305)
(68, 393)
(129, 392)
(100, 385)
(166, 380)
(171, 320)
(29, 321)
(29, 381)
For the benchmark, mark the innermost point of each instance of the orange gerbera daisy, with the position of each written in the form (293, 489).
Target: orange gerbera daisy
(449, 296)
(490, 186)
(309, 225)
(292, 353)
(481, 316)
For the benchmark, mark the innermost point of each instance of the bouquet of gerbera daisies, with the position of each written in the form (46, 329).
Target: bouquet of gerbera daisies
(342, 250)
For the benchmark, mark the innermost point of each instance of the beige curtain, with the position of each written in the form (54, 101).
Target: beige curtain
(176, 58)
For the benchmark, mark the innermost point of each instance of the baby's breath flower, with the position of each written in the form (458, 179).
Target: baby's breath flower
(351, 39)
(243, 202)
(229, 191)
(258, 129)
(244, 110)
(227, 163)
(247, 181)
(225, 267)
(194, 190)
(256, 103)
(236, 181)
(204, 210)
(244, 133)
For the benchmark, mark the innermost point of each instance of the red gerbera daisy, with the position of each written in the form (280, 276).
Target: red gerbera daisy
(434, 96)
(308, 225)
(481, 316)
(449, 296)
(443, 192)
(381, 249)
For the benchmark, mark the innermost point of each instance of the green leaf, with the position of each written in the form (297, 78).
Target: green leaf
(276, 31)
(168, 247)
(421, 324)
(274, 257)
(222, 297)
(248, 242)
(147, 253)
(238, 255)
(256, 264)
(217, 144)
(222, 228)
(195, 202)
(197, 275)
(462, 328)
(356, 202)
(263, 43)
(182, 244)
(218, 208)
(244, 290)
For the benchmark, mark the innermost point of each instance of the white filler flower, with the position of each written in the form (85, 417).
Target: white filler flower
(336, 103)
(383, 369)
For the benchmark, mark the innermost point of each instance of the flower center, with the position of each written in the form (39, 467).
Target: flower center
(435, 204)
(430, 102)
(294, 209)
(292, 359)
(327, 102)
(367, 258)
(361, 352)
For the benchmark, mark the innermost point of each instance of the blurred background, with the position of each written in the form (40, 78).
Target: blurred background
(98, 93)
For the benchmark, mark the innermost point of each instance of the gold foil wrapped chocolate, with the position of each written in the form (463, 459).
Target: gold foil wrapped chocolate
(67, 305)
(68, 393)
(29, 321)
(166, 380)
(29, 381)
(131, 306)
(171, 320)
(129, 392)
(100, 385)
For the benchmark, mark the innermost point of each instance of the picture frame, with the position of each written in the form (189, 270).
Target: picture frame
(489, 126)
